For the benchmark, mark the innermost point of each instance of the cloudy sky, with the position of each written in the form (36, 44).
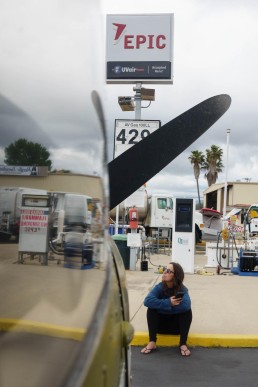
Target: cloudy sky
(215, 52)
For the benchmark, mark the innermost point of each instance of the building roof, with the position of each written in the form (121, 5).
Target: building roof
(217, 186)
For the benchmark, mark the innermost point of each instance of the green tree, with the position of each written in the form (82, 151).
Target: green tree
(213, 164)
(23, 152)
(197, 159)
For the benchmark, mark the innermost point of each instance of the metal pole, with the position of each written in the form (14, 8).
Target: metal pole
(137, 99)
(226, 182)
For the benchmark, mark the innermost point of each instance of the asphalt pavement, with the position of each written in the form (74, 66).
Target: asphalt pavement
(206, 367)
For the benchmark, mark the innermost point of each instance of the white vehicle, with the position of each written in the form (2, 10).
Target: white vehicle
(156, 213)
(10, 207)
(68, 210)
(252, 220)
(159, 211)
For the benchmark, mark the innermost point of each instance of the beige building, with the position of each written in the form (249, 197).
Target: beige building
(62, 182)
(239, 195)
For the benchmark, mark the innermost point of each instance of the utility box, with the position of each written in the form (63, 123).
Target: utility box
(33, 238)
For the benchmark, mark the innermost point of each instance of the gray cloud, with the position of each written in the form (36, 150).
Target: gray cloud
(47, 75)
(214, 53)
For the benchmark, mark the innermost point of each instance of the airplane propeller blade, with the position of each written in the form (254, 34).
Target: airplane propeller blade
(130, 170)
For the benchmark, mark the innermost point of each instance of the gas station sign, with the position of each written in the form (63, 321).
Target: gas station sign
(140, 48)
(130, 132)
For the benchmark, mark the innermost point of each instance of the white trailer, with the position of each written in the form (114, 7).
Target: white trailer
(67, 210)
(155, 210)
(10, 209)
(156, 215)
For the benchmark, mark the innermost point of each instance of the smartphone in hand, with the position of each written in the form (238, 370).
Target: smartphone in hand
(180, 294)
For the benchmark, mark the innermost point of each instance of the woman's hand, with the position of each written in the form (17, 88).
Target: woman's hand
(175, 301)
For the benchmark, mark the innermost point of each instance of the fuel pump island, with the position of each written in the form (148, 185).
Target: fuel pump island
(183, 236)
(34, 222)
(60, 224)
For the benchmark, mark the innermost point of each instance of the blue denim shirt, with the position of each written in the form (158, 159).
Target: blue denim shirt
(156, 299)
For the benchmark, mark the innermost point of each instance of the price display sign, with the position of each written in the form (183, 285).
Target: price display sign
(130, 132)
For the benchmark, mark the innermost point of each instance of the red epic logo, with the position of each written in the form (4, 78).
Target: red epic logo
(131, 42)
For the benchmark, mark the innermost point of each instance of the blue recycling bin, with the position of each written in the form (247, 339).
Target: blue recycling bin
(112, 229)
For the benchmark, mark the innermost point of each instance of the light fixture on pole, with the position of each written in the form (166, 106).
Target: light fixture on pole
(147, 94)
(126, 104)
(130, 104)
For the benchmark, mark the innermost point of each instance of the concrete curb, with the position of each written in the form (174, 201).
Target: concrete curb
(199, 340)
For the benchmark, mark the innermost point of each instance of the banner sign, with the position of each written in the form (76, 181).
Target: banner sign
(19, 170)
(130, 132)
(33, 236)
(139, 48)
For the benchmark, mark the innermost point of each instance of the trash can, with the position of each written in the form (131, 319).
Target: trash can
(121, 242)
(144, 265)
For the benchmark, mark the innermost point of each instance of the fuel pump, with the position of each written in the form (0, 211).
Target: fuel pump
(133, 217)
(33, 237)
(183, 241)
(134, 239)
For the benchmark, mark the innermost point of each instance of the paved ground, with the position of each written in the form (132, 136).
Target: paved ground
(225, 319)
(207, 367)
(225, 307)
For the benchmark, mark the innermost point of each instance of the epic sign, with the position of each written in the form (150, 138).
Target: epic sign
(139, 40)
(142, 43)
(131, 41)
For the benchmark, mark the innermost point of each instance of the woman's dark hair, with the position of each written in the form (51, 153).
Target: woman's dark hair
(179, 276)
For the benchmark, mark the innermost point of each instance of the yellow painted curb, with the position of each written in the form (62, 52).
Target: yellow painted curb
(15, 325)
(199, 340)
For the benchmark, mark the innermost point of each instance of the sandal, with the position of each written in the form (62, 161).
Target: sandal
(147, 351)
(185, 352)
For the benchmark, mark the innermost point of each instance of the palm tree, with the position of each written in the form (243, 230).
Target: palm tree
(213, 164)
(197, 159)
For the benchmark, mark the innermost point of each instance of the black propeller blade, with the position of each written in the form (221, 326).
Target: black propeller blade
(140, 163)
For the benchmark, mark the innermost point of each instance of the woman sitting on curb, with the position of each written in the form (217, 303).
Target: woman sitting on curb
(167, 313)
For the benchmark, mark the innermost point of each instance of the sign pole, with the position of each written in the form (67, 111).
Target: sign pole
(138, 100)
